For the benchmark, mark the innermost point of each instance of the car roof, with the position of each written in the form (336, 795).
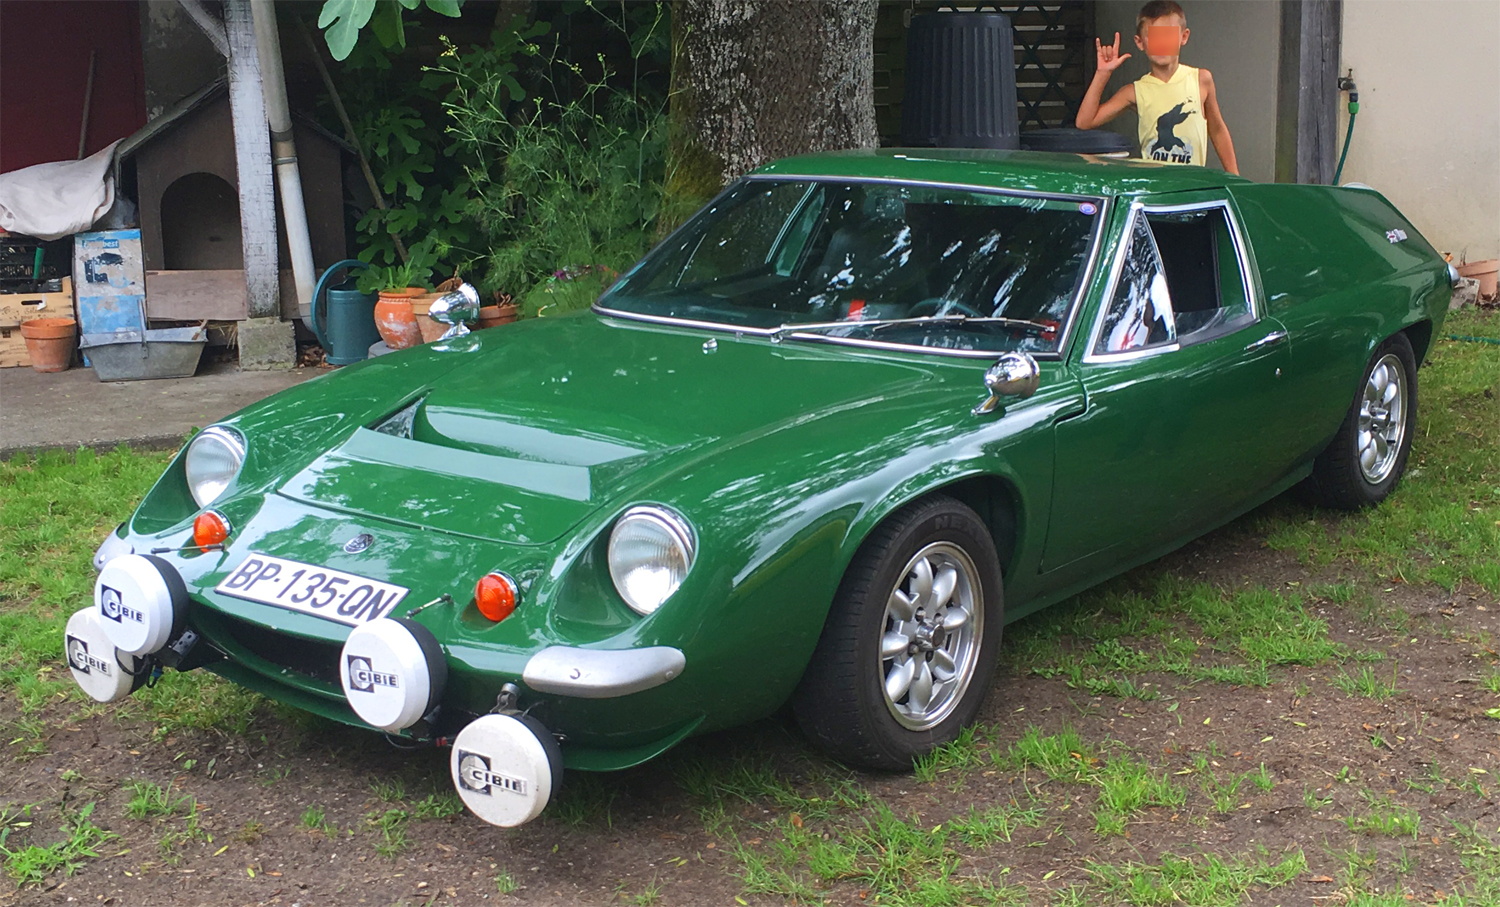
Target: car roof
(1038, 171)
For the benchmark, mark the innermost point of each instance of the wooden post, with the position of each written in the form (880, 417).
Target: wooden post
(1307, 91)
(252, 154)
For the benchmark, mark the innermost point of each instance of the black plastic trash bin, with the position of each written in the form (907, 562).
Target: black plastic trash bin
(960, 82)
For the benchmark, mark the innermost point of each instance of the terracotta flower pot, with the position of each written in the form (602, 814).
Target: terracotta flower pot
(49, 343)
(431, 330)
(420, 304)
(492, 315)
(395, 319)
(1485, 272)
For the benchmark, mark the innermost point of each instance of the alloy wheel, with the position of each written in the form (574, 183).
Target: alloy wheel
(929, 645)
(1382, 420)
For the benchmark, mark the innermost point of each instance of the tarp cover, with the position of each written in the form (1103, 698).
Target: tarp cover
(50, 201)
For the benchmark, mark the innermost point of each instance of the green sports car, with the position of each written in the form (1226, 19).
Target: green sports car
(818, 447)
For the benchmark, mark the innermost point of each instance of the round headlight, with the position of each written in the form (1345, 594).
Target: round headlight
(214, 458)
(650, 552)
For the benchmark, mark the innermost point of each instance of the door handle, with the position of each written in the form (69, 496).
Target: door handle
(1270, 339)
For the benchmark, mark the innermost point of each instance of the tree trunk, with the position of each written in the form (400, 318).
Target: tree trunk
(756, 80)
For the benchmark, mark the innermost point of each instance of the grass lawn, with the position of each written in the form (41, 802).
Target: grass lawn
(1303, 706)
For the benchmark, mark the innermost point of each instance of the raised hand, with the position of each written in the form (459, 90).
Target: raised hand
(1109, 56)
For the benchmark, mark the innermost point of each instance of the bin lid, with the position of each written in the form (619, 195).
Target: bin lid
(1076, 141)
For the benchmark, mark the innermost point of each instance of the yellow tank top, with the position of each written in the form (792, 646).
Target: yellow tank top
(1172, 125)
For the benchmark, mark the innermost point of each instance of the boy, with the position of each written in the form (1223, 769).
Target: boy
(1177, 104)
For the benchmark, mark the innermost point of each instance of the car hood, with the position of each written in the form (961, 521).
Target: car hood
(551, 419)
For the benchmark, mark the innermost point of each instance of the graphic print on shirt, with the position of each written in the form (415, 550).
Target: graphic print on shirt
(1167, 146)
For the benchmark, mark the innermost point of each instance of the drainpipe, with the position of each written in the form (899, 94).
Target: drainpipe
(284, 151)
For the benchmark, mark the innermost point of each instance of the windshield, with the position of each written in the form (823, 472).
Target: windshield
(869, 256)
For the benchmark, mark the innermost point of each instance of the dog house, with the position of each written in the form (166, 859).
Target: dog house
(186, 186)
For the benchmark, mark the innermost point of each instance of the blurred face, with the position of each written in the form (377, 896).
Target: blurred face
(1162, 39)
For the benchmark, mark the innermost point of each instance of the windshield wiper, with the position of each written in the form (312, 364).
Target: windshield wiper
(875, 324)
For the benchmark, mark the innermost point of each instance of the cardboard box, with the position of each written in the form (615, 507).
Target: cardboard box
(13, 349)
(18, 307)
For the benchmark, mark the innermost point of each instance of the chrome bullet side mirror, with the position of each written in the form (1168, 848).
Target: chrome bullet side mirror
(454, 309)
(1013, 375)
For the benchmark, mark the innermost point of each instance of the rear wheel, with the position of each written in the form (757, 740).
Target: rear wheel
(1365, 460)
(910, 643)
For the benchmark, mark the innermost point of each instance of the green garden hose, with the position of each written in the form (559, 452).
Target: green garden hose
(1467, 339)
(1347, 85)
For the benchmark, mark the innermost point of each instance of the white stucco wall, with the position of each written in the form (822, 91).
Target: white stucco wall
(1237, 41)
(1428, 130)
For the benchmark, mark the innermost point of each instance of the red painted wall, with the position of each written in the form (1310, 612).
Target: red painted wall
(44, 65)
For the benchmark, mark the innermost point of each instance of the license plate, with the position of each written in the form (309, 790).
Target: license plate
(320, 591)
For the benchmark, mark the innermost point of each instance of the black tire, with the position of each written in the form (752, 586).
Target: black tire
(841, 703)
(1337, 478)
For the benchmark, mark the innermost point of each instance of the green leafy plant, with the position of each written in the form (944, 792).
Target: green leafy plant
(397, 119)
(149, 801)
(32, 864)
(344, 19)
(567, 187)
(416, 271)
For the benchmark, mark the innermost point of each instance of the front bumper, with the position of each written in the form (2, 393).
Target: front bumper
(613, 706)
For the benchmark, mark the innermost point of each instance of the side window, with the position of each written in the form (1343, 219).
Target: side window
(1140, 312)
(1209, 295)
(747, 251)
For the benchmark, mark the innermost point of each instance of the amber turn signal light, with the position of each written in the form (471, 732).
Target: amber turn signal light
(210, 528)
(495, 596)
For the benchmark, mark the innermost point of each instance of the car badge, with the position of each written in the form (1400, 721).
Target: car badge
(1395, 236)
(359, 543)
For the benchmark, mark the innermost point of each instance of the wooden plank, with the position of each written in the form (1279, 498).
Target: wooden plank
(208, 295)
(1307, 94)
(1317, 107)
(196, 295)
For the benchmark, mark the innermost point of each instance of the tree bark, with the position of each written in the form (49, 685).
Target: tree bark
(756, 80)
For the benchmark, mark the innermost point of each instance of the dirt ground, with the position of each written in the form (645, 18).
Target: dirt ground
(640, 837)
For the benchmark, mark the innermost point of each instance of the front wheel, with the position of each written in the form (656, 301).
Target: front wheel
(910, 643)
(1366, 458)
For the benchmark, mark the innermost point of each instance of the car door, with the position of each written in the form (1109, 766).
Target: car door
(1187, 409)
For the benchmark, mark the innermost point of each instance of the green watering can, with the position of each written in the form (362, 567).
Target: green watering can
(342, 317)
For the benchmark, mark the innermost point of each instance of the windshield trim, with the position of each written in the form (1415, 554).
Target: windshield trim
(932, 184)
(1101, 220)
(768, 333)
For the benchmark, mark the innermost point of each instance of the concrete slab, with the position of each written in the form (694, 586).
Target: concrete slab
(74, 409)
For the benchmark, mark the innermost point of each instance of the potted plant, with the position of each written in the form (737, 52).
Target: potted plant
(504, 311)
(398, 285)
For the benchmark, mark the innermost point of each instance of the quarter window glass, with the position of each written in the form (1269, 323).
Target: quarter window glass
(1140, 312)
(1203, 273)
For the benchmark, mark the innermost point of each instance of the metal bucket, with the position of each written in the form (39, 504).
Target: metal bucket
(132, 356)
